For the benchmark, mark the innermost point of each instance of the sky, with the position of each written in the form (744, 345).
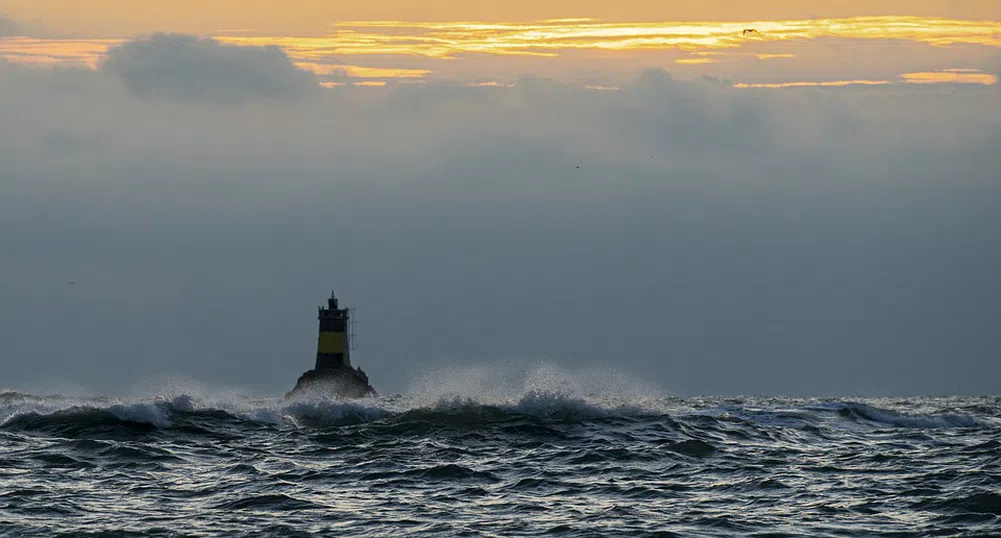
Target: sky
(808, 209)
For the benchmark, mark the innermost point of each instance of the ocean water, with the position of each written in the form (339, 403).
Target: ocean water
(545, 459)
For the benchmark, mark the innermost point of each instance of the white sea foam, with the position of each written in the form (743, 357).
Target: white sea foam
(153, 413)
(543, 391)
(329, 412)
(149, 412)
(904, 420)
(536, 389)
(525, 387)
(14, 409)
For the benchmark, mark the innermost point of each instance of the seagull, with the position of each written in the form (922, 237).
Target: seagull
(751, 31)
(71, 281)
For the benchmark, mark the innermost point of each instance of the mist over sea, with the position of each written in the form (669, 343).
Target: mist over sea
(481, 452)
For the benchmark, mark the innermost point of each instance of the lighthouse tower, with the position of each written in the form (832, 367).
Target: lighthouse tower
(333, 375)
(333, 346)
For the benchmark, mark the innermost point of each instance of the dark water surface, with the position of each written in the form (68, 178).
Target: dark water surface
(539, 463)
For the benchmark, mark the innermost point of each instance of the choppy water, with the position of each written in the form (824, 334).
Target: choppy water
(544, 462)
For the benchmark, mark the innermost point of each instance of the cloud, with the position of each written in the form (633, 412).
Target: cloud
(10, 27)
(185, 67)
(711, 239)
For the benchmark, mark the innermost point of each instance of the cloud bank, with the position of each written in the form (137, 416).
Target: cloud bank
(186, 67)
(10, 27)
(709, 239)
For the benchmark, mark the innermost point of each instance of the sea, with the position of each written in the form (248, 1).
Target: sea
(546, 459)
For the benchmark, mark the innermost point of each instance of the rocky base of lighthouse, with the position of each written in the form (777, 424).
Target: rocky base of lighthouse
(343, 382)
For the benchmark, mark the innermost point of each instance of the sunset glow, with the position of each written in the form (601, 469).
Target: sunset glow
(806, 84)
(66, 52)
(376, 51)
(943, 77)
(446, 39)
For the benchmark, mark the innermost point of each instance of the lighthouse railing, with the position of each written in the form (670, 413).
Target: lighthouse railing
(352, 345)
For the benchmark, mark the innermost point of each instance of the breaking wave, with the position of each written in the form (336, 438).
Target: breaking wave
(70, 416)
(549, 454)
(864, 412)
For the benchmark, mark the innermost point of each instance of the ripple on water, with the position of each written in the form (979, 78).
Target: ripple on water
(692, 447)
(452, 472)
(270, 502)
(530, 466)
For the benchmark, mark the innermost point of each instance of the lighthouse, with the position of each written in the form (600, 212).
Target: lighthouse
(333, 375)
(333, 346)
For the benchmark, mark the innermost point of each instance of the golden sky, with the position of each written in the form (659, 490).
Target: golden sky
(123, 18)
(598, 43)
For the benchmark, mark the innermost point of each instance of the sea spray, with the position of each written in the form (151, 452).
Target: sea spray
(509, 383)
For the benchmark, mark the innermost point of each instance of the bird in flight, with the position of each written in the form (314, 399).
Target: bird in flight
(751, 31)
(71, 281)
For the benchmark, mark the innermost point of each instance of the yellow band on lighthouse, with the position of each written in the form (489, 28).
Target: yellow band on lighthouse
(331, 343)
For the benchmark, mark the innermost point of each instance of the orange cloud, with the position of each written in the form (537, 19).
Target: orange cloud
(951, 76)
(812, 84)
(359, 71)
(696, 61)
(773, 56)
(448, 39)
(402, 50)
(124, 18)
(70, 52)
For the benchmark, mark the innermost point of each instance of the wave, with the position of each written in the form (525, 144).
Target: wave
(864, 412)
(980, 502)
(538, 410)
(72, 417)
(691, 447)
(269, 503)
(811, 414)
(553, 405)
(466, 397)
